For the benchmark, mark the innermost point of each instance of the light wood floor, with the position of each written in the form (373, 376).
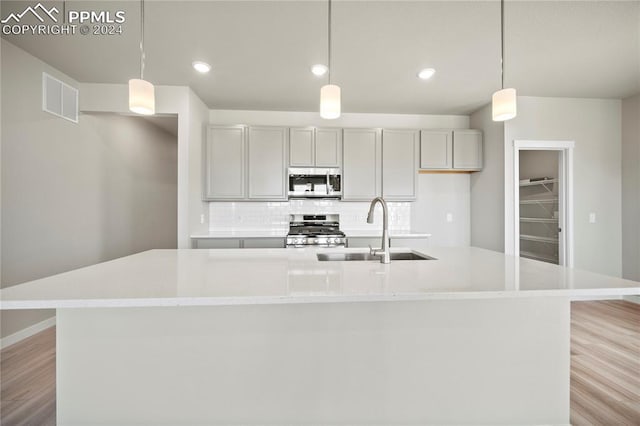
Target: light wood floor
(605, 370)
(28, 376)
(605, 363)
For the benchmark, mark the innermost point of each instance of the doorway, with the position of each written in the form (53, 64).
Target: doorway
(543, 201)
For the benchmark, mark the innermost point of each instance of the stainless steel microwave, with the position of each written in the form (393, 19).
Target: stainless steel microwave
(315, 182)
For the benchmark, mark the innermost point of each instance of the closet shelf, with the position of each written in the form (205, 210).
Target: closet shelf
(541, 201)
(538, 220)
(539, 239)
(537, 256)
(539, 182)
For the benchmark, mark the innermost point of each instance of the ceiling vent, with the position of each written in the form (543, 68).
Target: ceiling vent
(59, 98)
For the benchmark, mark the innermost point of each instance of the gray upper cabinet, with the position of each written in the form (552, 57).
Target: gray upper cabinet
(362, 164)
(467, 149)
(451, 149)
(311, 147)
(224, 168)
(301, 147)
(399, 164)
(328, 147)
(436, 149)
(267, 163)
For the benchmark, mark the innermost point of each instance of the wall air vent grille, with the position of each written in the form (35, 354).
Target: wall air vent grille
(59, 98)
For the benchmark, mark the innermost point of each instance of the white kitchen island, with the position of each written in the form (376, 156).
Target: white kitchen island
(274, 336)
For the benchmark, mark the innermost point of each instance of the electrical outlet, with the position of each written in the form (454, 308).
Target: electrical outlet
(449, 217)
(592, 218)
(202, 218)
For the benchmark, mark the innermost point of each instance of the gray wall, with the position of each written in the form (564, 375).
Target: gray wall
(594, 125)
(76, 194)
(487, 186)
(631, 188)
(440, 194)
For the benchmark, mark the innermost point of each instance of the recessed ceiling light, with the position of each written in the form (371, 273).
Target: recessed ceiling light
(426, 73)
(319, 70)
(201, 67)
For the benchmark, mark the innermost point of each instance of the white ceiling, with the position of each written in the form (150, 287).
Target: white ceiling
(261, 51)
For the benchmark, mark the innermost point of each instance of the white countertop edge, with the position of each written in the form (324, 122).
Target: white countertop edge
(304, 299)
(241, 234)
(283, 234)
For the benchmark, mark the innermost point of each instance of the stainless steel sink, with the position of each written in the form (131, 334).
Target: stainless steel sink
(408, 255)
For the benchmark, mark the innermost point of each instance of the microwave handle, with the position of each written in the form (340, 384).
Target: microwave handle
(327, 189)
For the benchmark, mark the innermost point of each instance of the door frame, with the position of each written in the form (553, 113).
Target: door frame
(565, 195)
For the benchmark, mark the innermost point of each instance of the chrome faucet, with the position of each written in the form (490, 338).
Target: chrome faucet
(383, 252)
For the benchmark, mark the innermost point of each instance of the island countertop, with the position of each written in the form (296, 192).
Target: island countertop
(278, 276)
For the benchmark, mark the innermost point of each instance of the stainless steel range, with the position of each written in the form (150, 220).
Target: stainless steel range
(315, 230)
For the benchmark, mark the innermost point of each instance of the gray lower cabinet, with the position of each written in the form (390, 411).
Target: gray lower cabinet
(375, 242)
(399, 164)
(360, 242)
(216, 243)
(451, 150)
(263, 243)
(237, 243)
(267, 163)
(412, 243)
(224, 163)
(362, 164)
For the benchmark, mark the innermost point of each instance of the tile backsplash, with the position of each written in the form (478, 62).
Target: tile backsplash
(275, 215)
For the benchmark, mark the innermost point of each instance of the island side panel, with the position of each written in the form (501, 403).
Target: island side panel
(499, 361)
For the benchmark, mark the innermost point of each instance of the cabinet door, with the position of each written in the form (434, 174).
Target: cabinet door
(412, 243)
(399, 164)
(224, 167)
(217, 243)
(301, 147)
(467, 149)
(362, 164)
(328, 148)
(363, 242)
(267, 163)
(436, 150)
(263, 243)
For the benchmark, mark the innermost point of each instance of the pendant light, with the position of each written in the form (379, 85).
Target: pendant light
(504, 100)
(329, 93)
(141, 92)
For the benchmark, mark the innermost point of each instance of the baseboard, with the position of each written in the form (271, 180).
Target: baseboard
(586, 298)
(633, 299)
(27, 332)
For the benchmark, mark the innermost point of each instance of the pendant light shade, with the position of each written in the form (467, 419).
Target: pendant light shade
(142, 99)
(503, 102)
(329, 93)
(504, 105)
(330, 101)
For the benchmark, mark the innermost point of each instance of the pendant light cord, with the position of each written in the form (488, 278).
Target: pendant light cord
(141, 39)
(502, 44)
(329, 41)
